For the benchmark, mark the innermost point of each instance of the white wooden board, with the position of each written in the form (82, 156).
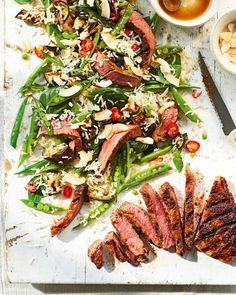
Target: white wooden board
(32, 256)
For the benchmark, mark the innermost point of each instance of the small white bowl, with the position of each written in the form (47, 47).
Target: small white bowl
(220, 25)
(206, 16)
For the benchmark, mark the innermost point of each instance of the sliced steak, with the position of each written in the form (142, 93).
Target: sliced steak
(62, 128)
(169, 200)
(95, 253)
(141, 221)
(111, 146)
(188, 219)
(169, 116)
(63, 156)
(138, 24)
(111, 71)
(216, 235)
(75, 206)
(113, 243)
(157, 215)
(129, 236)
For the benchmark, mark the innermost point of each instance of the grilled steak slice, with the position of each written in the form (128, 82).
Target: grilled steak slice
(141, 221)
(113, 243)
(95, 253)
(169, 200)
(138, 24)
(129, 236)
(62, 128)
(157, 215)
(169, 116)
(188, 219)
(111, 146)
(63, 156)
(216, 236)
(75, 206)
(111, 71)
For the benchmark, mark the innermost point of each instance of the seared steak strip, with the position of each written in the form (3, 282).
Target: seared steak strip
(188, 219)
(75, 206)
(216, 236)
(95, 253)
(129, 236)
(115, 247)
(158, 216)
(111, 146)
(111, 71)
(138, 24)
(169, 116)
(140, 220)
(168, 197)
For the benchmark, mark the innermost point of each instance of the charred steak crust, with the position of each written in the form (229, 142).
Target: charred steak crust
(105, 67)
(141, 221)
(81, 192)
(111, 146)
(216, 236)
(188, 219)
(129, 236)
(157, 215)
(169, 200)
(138, 24)
(95, 253)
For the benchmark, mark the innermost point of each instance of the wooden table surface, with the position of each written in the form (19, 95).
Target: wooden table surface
(227, 85)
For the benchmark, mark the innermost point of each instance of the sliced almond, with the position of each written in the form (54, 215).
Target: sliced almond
(145, 140)
(164, 66)
(103, 115)
(232, 51)
(172, 79)
(131, 103)
(225, 46)
(106, 11)
(137, 71)
(104, 133)
(72, 179)
(85, 157)
(226, 36)
(231, 27)
(166, 106)
(110, 41)
(233, 42)
(128, 61)
(117, 128)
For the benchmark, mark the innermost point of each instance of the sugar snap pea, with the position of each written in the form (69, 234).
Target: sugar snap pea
(52, 59)
(186, 109)
(31, 169)
(94, 214)
(33, 132)
(166, 51)
(144, 175)
(42, 116)
(43, 207)
(23, 152)
(122, 21)
(155, 154)
(18, 121)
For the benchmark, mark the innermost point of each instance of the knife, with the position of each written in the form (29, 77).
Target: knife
(228, 124)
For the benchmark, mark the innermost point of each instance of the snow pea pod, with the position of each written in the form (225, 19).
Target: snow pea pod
(144, 175)
(166, 51)
(16, 127)
(34, 129)
(23, 152)
(155, 154)
(177, 160)
(94, 214)
(122, 21)
(43, 207)
(42, 116)
(31, 169)
(186, 109)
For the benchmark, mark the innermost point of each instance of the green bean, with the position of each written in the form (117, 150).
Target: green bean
(31, 169)
(144, 175)
(122, 21)
(51, 168)
(38, 71)
(155, 154)
(18, 121)
(81, 117)
(94, 214)
(184, 107)
(85, 60)
(23, 152)
(43, 207)
(42, 116)
(177, 160)
(51, 59)
(34, 129)
(166, 51)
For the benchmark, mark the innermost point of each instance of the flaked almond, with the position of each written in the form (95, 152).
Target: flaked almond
(117, 128)
(226, 36)
(137, 71)
(166, 106)
(110, 41)
(85, 157)
(72, 179)
(164, 66)
(225, 46)
(145, 140)
(232, 51)
(104, 83)
(103, 115)
(128, 61)
(104, 133)
(172, 79)
(131, 103)
(106, 11)
(231, 27)
(233, 42)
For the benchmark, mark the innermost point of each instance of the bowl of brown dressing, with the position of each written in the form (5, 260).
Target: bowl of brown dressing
(185, 13)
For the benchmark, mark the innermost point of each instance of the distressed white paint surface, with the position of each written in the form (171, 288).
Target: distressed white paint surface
(36, 258)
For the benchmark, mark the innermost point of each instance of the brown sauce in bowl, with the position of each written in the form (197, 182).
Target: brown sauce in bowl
(189, 9)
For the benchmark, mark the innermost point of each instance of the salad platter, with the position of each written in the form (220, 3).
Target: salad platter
(99, 99)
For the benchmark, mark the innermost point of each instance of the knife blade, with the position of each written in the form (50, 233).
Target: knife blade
(228, 125)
